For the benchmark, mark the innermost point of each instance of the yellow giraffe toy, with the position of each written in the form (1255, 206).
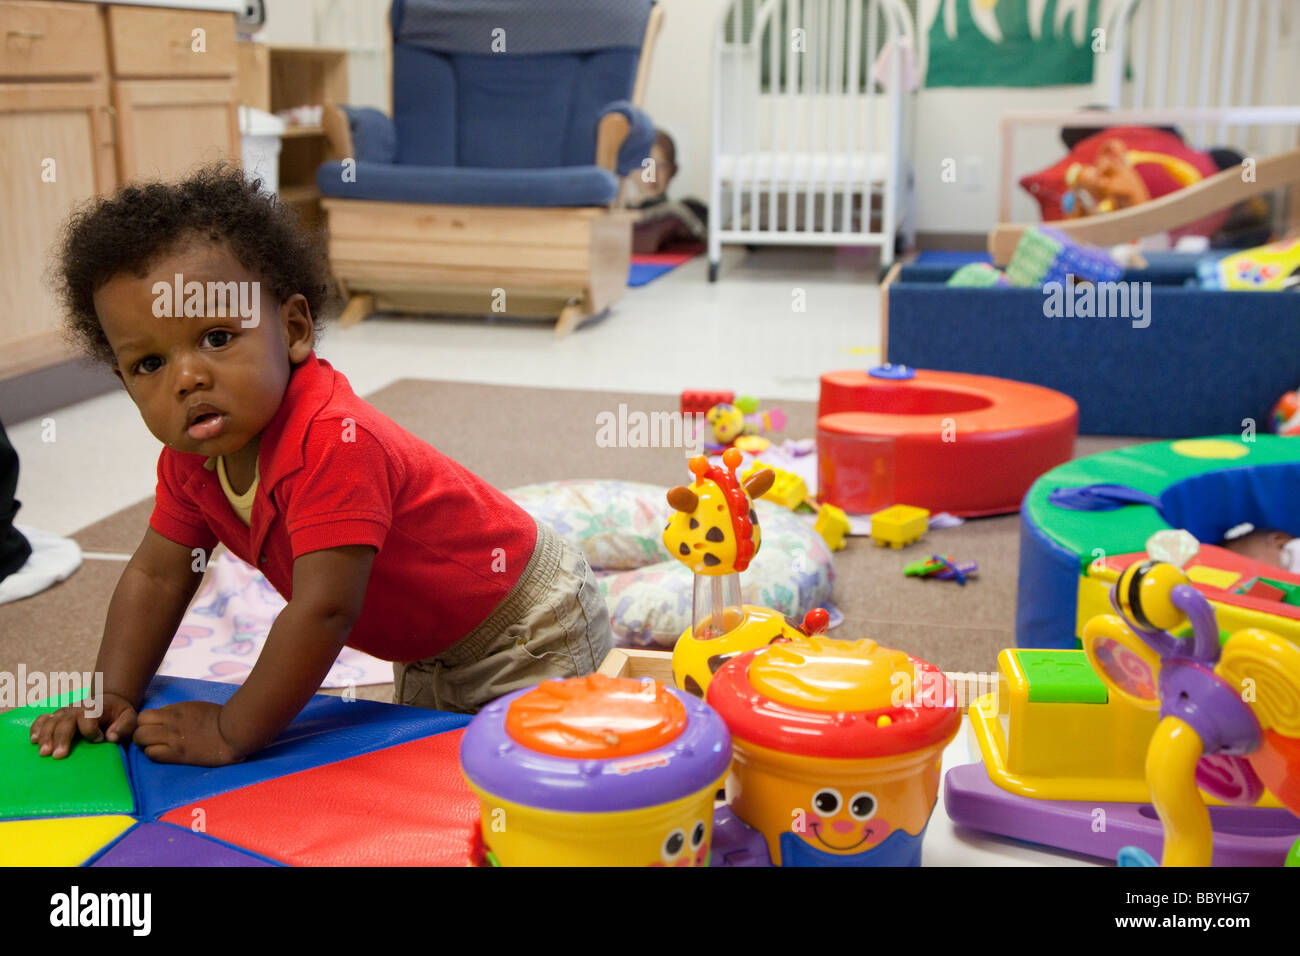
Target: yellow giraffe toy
(714, 532)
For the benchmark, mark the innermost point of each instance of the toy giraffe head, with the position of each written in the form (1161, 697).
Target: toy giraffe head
(714, 529)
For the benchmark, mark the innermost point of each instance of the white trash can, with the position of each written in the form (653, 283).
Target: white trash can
(260, 133)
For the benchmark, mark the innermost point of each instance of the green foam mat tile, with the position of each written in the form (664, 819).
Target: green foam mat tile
(91, 779)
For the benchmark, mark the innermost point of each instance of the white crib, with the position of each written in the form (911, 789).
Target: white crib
(809, 146)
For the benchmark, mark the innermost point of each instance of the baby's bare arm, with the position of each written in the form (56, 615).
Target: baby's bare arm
(146, 609)
(329, 588)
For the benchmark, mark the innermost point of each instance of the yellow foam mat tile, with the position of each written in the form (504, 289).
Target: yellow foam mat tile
(60, 841)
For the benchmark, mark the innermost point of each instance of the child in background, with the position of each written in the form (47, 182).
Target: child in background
(1268, 545)
(660, 221)
(376, 539)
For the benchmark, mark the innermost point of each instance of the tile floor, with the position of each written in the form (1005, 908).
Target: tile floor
(745, 332)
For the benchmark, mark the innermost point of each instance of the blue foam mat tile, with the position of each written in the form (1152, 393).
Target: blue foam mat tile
(639, 274)
(329, 729)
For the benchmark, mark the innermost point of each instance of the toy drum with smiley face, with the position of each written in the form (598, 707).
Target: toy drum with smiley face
(596, 771)
(837, 748)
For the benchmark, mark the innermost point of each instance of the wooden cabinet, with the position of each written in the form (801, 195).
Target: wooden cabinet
(46, 40)
(165, 128)
(93, 96)
(151, 42)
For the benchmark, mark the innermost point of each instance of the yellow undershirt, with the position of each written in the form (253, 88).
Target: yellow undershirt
(243, 504)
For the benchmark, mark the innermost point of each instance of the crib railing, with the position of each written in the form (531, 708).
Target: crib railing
(805, 137)
(1203, 55)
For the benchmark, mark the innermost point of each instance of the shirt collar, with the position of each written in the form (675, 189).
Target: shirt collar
(280, 453)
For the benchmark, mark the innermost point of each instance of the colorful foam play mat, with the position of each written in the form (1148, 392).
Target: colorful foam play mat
(650, 266)
(349, 783)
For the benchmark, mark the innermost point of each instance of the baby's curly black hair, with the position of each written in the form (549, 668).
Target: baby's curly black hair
(131, 230)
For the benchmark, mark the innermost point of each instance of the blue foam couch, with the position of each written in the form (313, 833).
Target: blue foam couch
(1205, 363)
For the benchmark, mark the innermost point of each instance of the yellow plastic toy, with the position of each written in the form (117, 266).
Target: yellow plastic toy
(833, 525)
(596, 771)
(791, 491)
(837, 749)
(715, 533)
(1053, 732)
(899, 525)
(1229, 714)
(788, 489)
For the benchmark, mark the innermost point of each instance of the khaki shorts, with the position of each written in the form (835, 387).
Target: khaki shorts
(552, 624)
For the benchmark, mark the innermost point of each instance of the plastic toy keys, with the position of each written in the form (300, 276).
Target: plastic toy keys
(715, 533)
(942, 568)
(1229, 715)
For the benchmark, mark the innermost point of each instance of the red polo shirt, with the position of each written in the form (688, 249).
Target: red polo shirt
(336, 472)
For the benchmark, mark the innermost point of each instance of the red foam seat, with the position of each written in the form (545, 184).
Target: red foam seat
(966, 444)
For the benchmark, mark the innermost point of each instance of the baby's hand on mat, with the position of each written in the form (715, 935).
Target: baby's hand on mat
(187, 732)
(110, 718)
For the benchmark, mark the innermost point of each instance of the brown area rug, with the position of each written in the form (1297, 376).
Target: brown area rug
(515, 436)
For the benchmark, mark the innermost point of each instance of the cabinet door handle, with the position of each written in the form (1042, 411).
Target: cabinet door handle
(112, 125)
(28, 34)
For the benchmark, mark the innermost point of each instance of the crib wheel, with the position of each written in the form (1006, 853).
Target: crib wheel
(713, 271)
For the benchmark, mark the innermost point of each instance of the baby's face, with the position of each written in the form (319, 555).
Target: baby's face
(204, 383)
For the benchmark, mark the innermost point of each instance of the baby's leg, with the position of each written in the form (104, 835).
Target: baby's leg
(554, 624)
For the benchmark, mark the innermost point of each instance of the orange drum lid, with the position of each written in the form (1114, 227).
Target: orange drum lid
(821, 673)
(595, 717)
(822, 697)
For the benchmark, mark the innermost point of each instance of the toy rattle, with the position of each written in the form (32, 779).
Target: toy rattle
(733, 423)
(1230, 714)
(596, 771)
(714, 532)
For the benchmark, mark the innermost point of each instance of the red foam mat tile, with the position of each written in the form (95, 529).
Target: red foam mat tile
(406, 805)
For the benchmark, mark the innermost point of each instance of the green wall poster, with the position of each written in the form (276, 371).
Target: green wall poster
(1009, 42)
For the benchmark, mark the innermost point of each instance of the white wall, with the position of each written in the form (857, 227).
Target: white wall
(359, 26)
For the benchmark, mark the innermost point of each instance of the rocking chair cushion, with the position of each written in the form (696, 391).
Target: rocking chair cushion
(374, 139)
(448, 185)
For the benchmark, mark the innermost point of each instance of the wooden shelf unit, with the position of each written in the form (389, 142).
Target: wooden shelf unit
(275, 78)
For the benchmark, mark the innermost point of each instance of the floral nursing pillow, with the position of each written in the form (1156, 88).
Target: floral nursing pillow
(619, 526)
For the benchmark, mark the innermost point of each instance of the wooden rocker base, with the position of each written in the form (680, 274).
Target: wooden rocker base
(567, 264)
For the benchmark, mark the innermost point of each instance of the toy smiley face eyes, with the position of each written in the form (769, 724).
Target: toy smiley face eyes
(827, 802)
(673, 845)
(697, 835)
(862, 806)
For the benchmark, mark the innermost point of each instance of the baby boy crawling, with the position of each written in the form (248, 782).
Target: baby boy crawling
(205, 298)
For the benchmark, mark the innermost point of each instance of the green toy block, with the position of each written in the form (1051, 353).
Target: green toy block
(1061, 677)
(91, 779)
